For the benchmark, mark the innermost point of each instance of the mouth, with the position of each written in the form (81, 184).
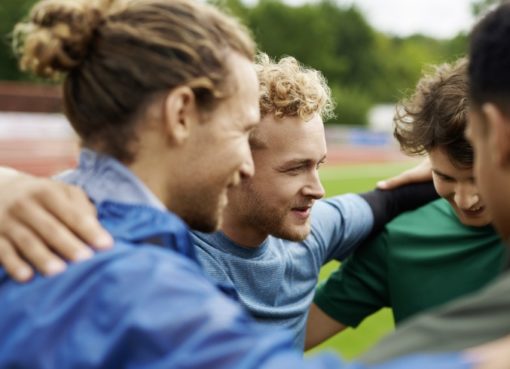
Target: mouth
(474, 211)
(302, 212)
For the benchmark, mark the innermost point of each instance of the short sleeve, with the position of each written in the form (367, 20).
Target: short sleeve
(339, 224)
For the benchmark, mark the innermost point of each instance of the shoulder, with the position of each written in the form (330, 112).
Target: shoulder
(341, 209)
(436, 211)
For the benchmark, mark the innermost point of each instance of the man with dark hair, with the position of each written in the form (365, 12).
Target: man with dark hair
(451, 234)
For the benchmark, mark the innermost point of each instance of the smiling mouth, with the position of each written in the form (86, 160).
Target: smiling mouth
(302, 211)
(473, 212)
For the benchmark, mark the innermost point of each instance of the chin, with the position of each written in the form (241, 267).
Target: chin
(204, 223)
(293, 233)
(481, 221)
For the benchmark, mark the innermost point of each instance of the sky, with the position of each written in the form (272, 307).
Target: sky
(435, 18)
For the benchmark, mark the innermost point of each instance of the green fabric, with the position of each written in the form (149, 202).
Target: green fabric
(422, 259)
(470, 321)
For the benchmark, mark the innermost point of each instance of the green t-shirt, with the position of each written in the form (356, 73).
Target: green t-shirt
(422, 259)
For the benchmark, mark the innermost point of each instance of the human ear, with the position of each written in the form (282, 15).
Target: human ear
(180, 113)
(498, 134)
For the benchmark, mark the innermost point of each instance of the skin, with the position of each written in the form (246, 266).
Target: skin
(419, 173)
(190, 161)
(457, 185)
(278, 199)
(489, 132)
(42, 212)
(493, 355)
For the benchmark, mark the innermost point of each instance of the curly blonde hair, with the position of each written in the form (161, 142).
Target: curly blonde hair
(288, 89)
(118, 55)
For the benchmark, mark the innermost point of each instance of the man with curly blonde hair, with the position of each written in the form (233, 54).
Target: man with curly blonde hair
(272, 242)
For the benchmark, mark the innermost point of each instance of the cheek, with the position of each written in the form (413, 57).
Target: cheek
(282, 190)
(443, 189)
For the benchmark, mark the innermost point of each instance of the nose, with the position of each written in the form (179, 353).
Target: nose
(314, 188)
(466, 196)
(247, 169)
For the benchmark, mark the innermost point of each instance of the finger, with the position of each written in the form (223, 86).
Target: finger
(79, 215)
(78, 197)
(34, 251)
(394, 182)
(53, 233)
(15, 266)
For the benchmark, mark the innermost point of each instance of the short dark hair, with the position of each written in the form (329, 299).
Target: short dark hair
(489, 66)
(435, 115)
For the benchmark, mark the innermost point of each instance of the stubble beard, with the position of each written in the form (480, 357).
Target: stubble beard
(271, 220)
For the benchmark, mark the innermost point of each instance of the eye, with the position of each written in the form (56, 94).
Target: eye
(445, 178)
(295, 169)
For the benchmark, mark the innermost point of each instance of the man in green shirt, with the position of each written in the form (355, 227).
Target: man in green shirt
(434, 254)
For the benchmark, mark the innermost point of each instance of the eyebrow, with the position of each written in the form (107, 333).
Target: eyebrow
(442, 174)
(299, 162)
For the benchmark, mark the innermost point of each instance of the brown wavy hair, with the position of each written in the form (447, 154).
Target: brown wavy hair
(117, 56)
(435, 115)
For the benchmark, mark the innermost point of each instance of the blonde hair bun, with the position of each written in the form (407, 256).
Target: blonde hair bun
(57, 36)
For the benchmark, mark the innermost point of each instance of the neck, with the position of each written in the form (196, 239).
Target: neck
(150, 173)
(241, 232)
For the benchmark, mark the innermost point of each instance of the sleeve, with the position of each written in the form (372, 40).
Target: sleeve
(359, 287)
(339, 224)
(388, 204)
(467, 322)
(150, 311)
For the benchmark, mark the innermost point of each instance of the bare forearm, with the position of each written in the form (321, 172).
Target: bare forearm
(320, 327)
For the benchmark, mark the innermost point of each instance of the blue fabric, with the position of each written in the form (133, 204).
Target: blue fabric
(146, 303)
(276, 281)
(137, 306)
(104, 178)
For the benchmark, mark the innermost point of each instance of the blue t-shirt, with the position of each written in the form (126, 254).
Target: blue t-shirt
(276, 281)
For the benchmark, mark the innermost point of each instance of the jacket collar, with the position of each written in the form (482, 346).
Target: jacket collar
(140, 224)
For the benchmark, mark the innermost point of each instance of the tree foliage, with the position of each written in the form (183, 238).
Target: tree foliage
(363, 66)
(11, 11)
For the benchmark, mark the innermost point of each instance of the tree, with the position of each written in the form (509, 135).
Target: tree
(11, 11)
(480, 7)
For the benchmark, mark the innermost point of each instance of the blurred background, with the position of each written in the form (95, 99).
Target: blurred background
(371, 51)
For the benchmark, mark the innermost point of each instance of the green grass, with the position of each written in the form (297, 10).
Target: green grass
(357, 178)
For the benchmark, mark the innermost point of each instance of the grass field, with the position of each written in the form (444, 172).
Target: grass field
(357, 178)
